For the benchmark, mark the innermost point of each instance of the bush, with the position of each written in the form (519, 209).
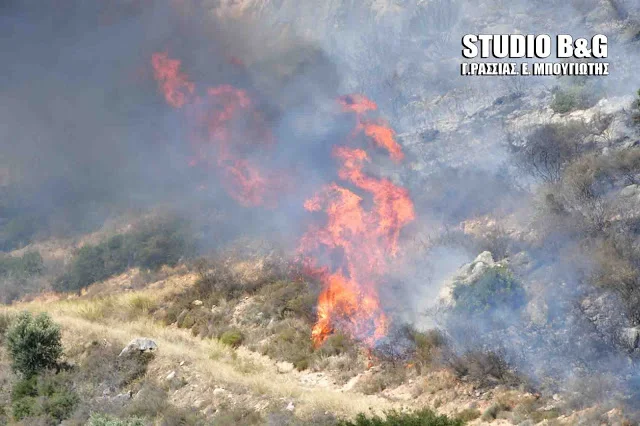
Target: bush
(291, 342)
(161, 242)
(549, 149)
(575, 97)
(468, 415)
(6, 320)
(492, 412)
(423, 417)
(484, 368)
(232, 338)
(392, 375)
(47, 396)
(33, 343)
(105, 420)
(495, 289)
(29, 264)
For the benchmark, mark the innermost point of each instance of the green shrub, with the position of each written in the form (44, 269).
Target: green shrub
(495, 289)
(492, 412)
(336, 344)
(423, 417)
(291, 342)
(5, 322)
(48, 396)
(98, 419)
(24, 407)
(468, 414)
(33, 343)
(426, 345)
(232, 338)
(574, 97)
(24, 388)
(29, 264)
(160, 242)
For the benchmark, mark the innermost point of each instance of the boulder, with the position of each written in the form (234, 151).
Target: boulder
(139, 345)
(630, 191)
(467, 274)
(284, 367)
(630, 337)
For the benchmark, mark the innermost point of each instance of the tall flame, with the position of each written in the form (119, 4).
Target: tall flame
(226, 128)
(361, 233)
(365, 240)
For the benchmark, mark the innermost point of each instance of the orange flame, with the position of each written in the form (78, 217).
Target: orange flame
(215, 137)
(377, 130)
(365, 240)
(363, 221)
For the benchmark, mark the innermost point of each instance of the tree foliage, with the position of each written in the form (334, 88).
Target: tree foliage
(34, 343)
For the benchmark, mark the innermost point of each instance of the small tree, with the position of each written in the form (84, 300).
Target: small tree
(33, 343)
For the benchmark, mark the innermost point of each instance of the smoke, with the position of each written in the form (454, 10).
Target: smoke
(87, 130)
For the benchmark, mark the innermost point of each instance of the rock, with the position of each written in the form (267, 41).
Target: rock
(196, 303)
(630, 336)
(630, 191)
(141, 345)
(467, 274)
(218, 391)
(284, 367)
(122, 398)
(291, 407)
(602, 310)
(171, 376)
(485, 257)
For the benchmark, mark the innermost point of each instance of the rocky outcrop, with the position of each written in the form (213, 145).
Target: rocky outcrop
(139, 345)
(466, 275)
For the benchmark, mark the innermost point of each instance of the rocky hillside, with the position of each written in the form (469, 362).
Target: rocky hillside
(176, 279)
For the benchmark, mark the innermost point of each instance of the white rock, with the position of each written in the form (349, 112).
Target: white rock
(284, 367)
(630, 336)
(140, 344)
(171, 375)
(291, 407)
(629, 191)
(218, 391)
(197, 303)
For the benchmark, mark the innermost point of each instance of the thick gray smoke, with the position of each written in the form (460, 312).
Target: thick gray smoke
(85, 131)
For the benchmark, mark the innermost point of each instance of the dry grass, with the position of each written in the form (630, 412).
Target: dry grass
(114, 318)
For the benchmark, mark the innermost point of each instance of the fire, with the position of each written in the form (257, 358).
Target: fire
(365, 240)
(377, 130)
(175, 85)
(226, 131)
(364, 214)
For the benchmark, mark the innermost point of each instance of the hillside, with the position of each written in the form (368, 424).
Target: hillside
(289, 213)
